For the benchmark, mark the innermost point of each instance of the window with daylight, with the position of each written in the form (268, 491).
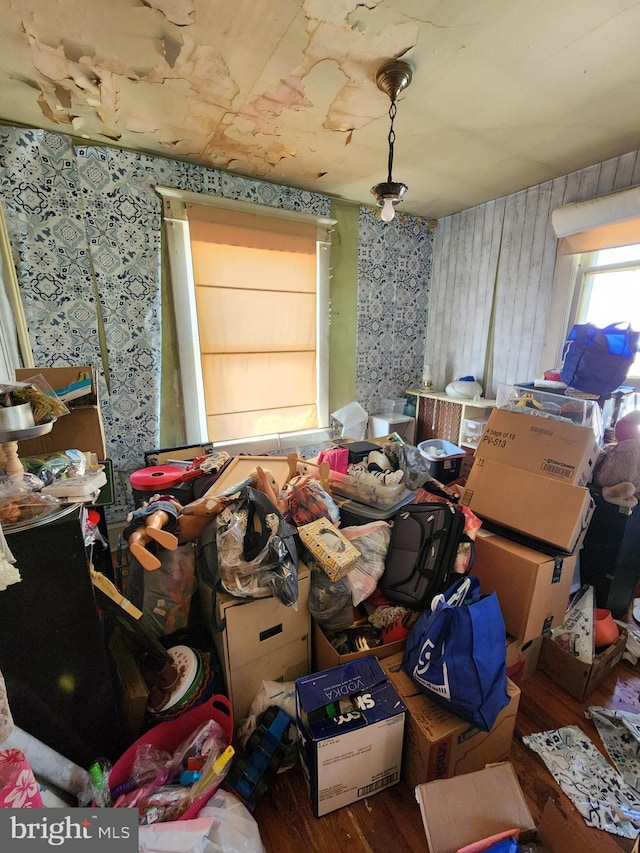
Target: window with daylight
(607, 290)
(251, 289)
(597, 272)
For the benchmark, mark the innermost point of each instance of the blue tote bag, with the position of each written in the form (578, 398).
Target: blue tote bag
(456, 653)
(597, 360)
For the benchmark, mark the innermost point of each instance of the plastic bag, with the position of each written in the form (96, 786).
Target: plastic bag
(280, 693)
(224, 825)
(166, 599)
(307, 500)
(372, 540)
(330, 602)
(256, 550)
(20, 503)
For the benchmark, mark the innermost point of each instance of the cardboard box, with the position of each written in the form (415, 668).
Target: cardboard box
(551, 448)
(522, 658)
(326, 657)
(540, 507)
(461, 811)
(575, 676)
(331, 549)
(437, 743)
(533, 588)
(457, 812)
(82, 429)
(358, 753)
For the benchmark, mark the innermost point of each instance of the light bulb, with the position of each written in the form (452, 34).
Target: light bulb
(388, 210)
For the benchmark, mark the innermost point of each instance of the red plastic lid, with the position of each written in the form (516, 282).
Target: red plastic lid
(155, 478)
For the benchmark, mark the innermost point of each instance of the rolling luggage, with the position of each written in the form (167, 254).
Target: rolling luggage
(422, 553)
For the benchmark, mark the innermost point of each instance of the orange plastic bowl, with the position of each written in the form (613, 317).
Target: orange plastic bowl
(605, 629)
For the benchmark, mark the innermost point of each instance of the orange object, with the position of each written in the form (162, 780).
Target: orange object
(605, 630)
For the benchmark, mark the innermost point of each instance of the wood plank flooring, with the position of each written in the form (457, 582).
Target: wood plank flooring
(390, 821)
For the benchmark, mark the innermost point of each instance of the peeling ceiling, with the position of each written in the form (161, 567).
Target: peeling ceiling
(505, 94)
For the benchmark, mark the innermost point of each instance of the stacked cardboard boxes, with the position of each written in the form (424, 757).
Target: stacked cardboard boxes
(529, 483)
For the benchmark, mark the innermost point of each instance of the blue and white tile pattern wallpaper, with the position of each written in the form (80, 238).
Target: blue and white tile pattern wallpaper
(85, 223)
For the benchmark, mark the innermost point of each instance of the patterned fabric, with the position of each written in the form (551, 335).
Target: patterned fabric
(85, 226)
(600, 794)
(620, 734)
(18, 787)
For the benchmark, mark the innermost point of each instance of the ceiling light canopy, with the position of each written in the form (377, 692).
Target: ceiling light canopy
(392, 78)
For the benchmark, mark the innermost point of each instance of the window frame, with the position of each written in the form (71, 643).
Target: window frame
(570, 275)
(174, 207)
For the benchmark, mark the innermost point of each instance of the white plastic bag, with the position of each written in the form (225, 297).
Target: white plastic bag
(224, 825)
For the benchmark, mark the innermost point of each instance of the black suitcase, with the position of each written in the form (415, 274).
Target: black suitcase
(422, 553)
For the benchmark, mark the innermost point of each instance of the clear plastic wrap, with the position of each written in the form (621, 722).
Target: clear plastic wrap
(19, 503)
(56, 466)
(252, 562)
(372, 540)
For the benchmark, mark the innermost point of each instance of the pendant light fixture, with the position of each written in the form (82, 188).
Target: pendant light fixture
(392, 78)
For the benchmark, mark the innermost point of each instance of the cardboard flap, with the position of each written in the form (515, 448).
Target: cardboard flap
(348, 679)
(466, 808)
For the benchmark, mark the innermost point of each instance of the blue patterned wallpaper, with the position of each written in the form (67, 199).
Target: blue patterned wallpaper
(84, 224)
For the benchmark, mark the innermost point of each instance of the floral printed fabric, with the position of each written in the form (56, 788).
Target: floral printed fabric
(18, 787)
(600, 793)
(620, 734)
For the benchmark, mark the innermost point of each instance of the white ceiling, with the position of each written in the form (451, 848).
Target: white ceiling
(505, 94)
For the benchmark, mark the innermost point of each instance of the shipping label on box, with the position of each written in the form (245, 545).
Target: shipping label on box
(351, 730)
(438, 744)
(540, 507)
(533, 588)
(551, 448)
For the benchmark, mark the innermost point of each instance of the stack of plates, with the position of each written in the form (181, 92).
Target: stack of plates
(194, 673)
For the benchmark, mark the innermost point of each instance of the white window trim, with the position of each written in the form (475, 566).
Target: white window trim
(174, 202)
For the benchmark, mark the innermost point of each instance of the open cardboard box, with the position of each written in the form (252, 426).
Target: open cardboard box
(326, 657)
(575, 676)
(468, 808)
(82, 429)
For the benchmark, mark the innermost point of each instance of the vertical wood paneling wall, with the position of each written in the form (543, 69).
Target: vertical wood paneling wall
(492, 278)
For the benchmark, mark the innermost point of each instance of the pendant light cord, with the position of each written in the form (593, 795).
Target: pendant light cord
(392, 137)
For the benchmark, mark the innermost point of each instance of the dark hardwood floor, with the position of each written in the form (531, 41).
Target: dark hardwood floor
(390, 821)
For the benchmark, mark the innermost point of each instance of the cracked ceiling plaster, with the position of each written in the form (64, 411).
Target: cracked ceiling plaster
(505, 94)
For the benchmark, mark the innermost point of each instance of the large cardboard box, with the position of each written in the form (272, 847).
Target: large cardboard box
(575, 676)
(359, 752)
(439, 744)
(82, 429)
(533, 588)
(551, 448)
(522, 658)
(540, 507)
(326, 657)
(461, 811)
